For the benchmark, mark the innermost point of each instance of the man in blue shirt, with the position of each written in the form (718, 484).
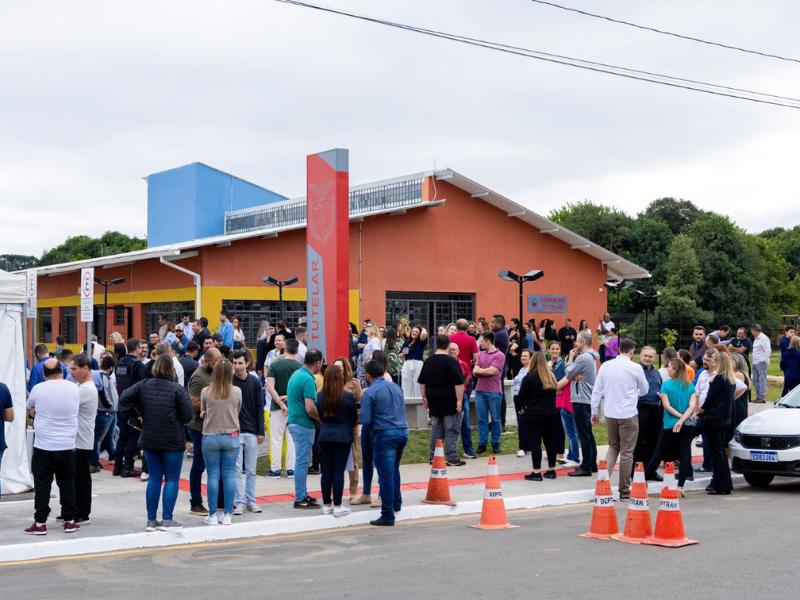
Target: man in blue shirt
(6, 415)
(225, 329)
(37, 373)
(383, 409)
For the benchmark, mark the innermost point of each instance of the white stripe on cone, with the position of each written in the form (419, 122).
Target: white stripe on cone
(438, 473)
(439, 451)
(493, 470)
(669, 504)
(604, 500)
(638, 476)
(493, 494)
(638, 504)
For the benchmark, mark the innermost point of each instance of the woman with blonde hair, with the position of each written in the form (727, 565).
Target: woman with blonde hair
(537, 395)
(716, 412)
(352, 386)
(220, 403)
(675, 441)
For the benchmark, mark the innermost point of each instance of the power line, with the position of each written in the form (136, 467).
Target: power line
(645, 76)
(670, 33)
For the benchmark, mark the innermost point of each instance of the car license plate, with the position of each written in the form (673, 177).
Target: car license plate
(764, 456)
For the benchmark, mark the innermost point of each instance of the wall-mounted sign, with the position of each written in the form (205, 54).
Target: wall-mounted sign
(542, 303)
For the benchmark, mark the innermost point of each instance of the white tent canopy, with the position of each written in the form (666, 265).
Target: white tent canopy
(15, 472)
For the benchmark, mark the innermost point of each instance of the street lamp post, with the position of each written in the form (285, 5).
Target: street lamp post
(521, 279)
(279, 284)
(618, 286)
(647, 297)
(106, 284)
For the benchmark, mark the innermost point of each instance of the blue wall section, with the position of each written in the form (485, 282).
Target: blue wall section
(190, 202)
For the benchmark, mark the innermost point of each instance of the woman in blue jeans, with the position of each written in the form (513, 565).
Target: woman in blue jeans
(220, 403)
(164, 408)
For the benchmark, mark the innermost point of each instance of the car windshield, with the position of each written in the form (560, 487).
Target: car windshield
(790, 400)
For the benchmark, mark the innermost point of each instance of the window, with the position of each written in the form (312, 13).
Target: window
(172, 310)
(68, 326)
(119, 315)
(252, 312)
(429, 308)
(44, 325)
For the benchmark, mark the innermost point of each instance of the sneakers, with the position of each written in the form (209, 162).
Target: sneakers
(382, 523)
(579, 473)
(290, 473)
(210, 520)
(273, 474)
(83, 521)
(457, 463)
(144, 476)
(327, 509)
(226, 519)
(311, 471)
(37, 529)
(520, 453)
(71, 527)
(496, 449)
(340, 511)
(551, 474)
(152, 525)
(469, 455)
(170, 524)
(199, 509)
(533, 477)
(481, 449)
(238, 509)
(253, 508)
(568, 464)
(306, 502)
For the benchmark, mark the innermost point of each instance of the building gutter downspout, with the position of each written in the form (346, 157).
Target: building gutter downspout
(197, 284)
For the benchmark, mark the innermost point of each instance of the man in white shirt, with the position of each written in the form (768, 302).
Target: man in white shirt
(300, 335)
(84, 443)
(186, 325)
(620, 382)
(54, 405)
(97, 348)
(761, 354)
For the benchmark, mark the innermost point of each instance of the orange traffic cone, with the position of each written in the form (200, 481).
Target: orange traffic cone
(669, 523)
(638, 527)
(604, 515)
(493, 513)
(438, 488)
(669, 476)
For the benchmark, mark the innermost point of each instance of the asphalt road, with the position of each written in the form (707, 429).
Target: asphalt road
(748, 546)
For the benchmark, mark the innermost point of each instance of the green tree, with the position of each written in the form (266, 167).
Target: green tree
(679, 297)
(785, 242)
(603, 225)
(676, 214)
(17, 262)
(82, 247)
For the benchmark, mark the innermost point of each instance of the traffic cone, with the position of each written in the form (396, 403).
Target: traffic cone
(604, 515)
(669, 523)
(438, 488)
(669, 476)
(638, 527)
(493, 512)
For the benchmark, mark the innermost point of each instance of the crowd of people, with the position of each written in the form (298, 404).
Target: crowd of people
(188, 392)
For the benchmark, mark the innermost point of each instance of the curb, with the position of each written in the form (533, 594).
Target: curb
(197, 535)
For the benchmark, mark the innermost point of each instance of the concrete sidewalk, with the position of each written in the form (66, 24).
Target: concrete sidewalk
(118, 514)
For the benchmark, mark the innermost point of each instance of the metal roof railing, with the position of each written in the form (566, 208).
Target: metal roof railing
(395, 194)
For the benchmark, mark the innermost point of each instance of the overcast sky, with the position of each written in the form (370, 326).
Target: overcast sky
(96, 95)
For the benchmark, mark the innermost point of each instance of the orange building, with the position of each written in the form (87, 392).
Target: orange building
(428, 245)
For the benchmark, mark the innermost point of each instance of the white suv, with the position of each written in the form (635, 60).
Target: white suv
(767, 444)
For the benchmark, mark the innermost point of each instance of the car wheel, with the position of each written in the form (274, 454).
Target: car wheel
(758, 480)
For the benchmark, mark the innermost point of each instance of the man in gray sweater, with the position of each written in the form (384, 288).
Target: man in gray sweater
(581, 372)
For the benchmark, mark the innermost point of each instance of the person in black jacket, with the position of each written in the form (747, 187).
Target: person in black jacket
(165, 409)
(337, 409)
(251, 432)
(128, 371)
(717, 411)
(537, 396)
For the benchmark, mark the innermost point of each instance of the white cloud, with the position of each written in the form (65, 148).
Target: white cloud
(98, 94)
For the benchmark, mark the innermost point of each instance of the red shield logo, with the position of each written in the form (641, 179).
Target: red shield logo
(320, 209)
